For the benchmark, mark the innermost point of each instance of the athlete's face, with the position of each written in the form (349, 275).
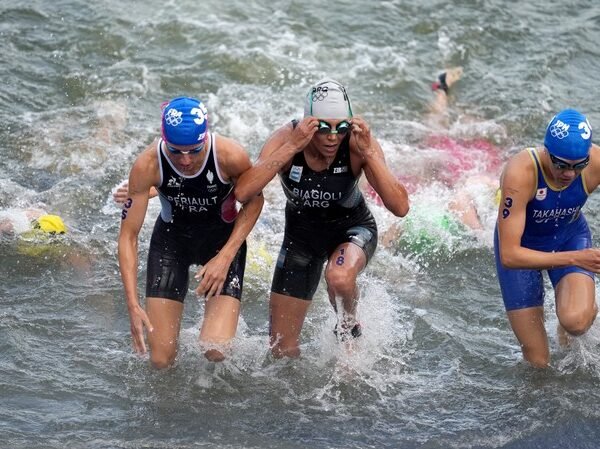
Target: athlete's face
(186, 158)
(565, 171)
(330, 134)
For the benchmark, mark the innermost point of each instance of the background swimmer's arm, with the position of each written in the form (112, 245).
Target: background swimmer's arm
(121, 193)
(234, 161)
(390, 236)
(143, 175)
(6, 226)
(275, 156)
(392, 192)
(462, 205)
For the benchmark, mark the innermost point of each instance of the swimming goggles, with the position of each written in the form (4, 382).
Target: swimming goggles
(196, 150)
(559, 164)
(341, 128)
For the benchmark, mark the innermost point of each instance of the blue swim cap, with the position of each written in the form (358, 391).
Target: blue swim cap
(184, 121)
(569, 135)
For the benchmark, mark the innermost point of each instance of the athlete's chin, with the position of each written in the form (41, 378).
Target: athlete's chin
(565, 182)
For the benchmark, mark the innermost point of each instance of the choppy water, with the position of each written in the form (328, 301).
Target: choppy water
(438, 365)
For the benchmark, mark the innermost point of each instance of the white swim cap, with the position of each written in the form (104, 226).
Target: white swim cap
(327, 99)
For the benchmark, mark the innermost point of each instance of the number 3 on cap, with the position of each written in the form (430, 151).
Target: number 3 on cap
(587, 130)
(200, 114)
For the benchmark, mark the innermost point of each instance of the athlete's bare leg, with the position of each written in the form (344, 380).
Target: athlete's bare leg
(576, 303)
(286, 315)
(528, 326)
(221, 314)
(343, 267)
(165, 315)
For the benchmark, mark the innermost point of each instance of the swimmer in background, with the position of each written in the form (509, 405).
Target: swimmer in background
(41, 235)
(17, 222)
(103, 127)
(468, 167)
(541, 226)
(462, 157)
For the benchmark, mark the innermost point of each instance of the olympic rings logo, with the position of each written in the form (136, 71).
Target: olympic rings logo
(559, 130)
(320, 93)
(173, 117)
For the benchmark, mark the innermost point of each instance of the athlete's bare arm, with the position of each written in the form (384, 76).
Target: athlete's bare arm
(372, 160)
(275, 156)
(144, 174)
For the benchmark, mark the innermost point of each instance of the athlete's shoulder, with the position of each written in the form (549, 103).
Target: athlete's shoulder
(524, 160)
(150, 152)
(232, 157)
(146, 164)
(595, 155)
(227, 145)
(520, 169)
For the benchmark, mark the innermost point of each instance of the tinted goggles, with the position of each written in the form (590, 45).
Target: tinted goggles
(559, 164)
(196, 150)
(341, 128)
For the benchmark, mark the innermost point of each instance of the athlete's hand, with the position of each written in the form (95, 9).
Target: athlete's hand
(362, 136)
(303, 133)
(120, 194)
(589, 259)
(212, 276)
(137, 320)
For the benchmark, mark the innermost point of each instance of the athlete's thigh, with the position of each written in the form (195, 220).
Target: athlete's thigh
(348, 258)
(298, 268)
(575, 292)
(167, 271)
(234, 281)
(354, 251)
(520, 288)
(572, 282)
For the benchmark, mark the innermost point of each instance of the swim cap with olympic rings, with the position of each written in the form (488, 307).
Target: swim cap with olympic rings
(569, 135)
(327, 99)
(184, 121)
